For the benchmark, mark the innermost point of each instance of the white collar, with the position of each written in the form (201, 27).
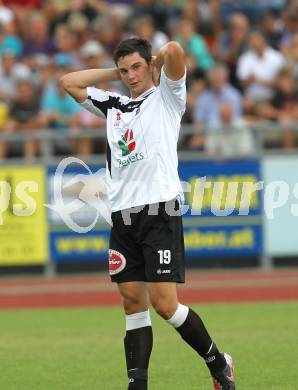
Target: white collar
(144, 94)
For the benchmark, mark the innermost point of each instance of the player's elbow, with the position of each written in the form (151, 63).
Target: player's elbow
(174, 49)
(69, 82)
(65, 82)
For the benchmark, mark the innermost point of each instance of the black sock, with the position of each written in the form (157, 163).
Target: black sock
(193, 331)
(138, 346)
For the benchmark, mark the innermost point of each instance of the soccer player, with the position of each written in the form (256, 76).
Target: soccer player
(146, 256)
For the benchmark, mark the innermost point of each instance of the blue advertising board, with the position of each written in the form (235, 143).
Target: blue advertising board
(223, 208)
(70, 246)
(223, 212)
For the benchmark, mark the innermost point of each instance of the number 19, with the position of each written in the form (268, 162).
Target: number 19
(164, 256)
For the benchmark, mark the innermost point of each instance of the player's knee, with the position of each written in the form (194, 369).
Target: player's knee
(133, 305)
(164, 308)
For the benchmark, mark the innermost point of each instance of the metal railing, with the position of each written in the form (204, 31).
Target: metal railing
(48, 137)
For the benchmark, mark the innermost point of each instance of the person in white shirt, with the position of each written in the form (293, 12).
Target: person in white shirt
(146, 256)
(258, 67)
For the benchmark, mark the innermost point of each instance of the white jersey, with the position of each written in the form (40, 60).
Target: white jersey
(142, 138)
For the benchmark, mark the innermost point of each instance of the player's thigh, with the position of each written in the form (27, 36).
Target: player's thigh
(134, 296)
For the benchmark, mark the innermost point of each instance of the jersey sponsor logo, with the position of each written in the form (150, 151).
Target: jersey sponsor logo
(127, 143)
(117, 262)
(131, 159)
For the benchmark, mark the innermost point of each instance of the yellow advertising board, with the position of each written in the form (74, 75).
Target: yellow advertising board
(23, 219)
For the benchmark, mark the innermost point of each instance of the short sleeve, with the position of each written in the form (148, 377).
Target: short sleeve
(99, 101)
(173, 92)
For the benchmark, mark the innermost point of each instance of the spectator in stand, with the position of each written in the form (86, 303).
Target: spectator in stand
(8, 19)
(66, 43)
(146, 7)
(272, 27)
(207, 106)
(291, 54)
(258, 67)
(196, 85)
(283, 107)
(107, 31)
(24, 116)
(37, 38)
(290, 17)
(10, 71)
(193, 44)
(206, 110)
(93, 54)
(78, 25)
(88, 9)
(144, 27)
(232, 43)
(234, 137)
(170, 11)
(60, 111)
(10, 41)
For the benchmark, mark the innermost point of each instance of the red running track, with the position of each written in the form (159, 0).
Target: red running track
(200, 287)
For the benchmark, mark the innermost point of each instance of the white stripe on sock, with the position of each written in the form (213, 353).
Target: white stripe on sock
(138, 320)
(180, 316)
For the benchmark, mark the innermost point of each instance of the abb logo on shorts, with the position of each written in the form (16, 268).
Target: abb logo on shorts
(117, 262)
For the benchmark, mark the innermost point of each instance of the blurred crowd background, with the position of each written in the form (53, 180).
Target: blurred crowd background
(242, 67)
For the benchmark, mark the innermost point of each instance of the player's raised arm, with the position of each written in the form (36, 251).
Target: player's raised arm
(76, 83)
(171, 55)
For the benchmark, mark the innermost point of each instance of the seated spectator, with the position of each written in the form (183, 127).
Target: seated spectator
(206, 109)
(169, 13)
(232, 43)
(10, 71)
(78, 25)
(58, 109)
(10, 42)
(93, 55)
(283, 107)
(144, 27)
(290, 21)
(272, 28)
(291, 55)
(196, 85)
(23, 116)
(193, 44)
(258, 67)
(38, 40)
(66, 43)
(207, 106)
(108, 32)
(234, 139)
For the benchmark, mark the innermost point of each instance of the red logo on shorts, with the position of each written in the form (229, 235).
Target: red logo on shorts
(117, 262)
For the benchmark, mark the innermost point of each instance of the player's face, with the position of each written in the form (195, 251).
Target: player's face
(135, 73)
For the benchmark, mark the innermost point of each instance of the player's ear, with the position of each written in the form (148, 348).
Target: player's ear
(153, 61)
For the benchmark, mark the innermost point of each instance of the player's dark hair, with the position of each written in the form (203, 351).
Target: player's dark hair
(133, 45)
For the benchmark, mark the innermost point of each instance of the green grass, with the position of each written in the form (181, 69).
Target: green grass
(71, 349)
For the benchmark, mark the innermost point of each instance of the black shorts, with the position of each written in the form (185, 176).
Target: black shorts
(146, 247)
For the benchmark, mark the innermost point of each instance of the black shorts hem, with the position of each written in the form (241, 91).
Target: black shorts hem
(126, 280)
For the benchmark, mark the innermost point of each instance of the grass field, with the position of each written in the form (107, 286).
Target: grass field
(71, 349)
